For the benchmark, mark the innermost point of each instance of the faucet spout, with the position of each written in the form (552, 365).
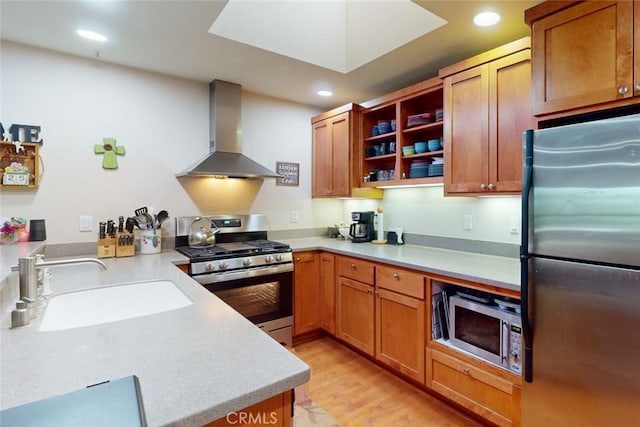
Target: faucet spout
(28, 273)
(96, 261)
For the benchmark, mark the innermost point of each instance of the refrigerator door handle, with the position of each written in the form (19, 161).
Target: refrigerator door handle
(527, 182)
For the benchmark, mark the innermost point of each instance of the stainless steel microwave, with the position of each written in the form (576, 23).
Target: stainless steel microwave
(489, 332)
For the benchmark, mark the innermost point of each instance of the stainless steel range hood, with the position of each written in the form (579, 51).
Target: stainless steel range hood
(225, 158)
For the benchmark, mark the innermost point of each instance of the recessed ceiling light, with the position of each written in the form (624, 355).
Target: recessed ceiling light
(486, 19)
(91, 35)
(324, 93)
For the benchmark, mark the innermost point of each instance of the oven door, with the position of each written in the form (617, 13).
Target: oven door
(260, 297)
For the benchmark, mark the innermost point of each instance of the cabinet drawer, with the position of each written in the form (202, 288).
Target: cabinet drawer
(401, 281)
(304, 256)
(356, 269)
(488, 395)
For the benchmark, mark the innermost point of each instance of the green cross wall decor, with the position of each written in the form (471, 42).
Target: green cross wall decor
(109, 150)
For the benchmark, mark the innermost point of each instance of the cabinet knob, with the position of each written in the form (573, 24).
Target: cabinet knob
(466, 371)
(491, 186)
(483, 186)
(353, 266)
(298, 259)
(327, 192)
(396, 276)
(622, 90)
(638, 86)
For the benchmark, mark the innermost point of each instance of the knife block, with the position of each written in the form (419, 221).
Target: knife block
(124, 244)
(107, 247)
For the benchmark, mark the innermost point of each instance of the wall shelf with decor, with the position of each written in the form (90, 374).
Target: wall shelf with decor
(391, 127)
(20, 166)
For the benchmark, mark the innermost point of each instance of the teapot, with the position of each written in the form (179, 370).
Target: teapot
(203, 236)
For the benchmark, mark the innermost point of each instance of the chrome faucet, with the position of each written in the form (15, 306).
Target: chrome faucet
(30, 278)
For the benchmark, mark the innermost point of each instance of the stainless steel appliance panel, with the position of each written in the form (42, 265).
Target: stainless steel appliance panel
(586, 340)
(586, 191)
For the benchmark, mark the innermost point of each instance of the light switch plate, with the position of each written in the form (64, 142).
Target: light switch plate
(514, 226)
(86, 223)
(468, 222)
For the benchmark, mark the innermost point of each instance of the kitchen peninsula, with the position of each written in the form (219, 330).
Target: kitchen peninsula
(195, 364)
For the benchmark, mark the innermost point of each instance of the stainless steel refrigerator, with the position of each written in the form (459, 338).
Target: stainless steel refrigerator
(580, 259)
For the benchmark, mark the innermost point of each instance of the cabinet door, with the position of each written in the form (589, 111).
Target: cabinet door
(355, 321)
(466, 145)
(509, 116)
(582, 56)
(400, 338)
(490, 396)
(328, 293)
(306, 293)
(341, 169)
(331, 160)
(322, 159)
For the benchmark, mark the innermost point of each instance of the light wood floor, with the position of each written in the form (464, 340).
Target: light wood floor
(356, 392)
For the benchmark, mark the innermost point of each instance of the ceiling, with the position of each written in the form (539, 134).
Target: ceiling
(171, 37)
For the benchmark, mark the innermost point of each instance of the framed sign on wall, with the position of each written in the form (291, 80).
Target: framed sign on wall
(289, 174)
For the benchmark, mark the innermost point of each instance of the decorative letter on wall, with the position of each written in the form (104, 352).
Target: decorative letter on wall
(109, 150)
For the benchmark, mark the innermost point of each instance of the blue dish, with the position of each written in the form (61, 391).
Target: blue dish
(434, 145)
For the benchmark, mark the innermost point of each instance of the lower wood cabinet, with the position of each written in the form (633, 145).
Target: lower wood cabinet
(306, 292)
(489, 391)
(275, 411)
(328, 292)
(400, 321)
(355, 322)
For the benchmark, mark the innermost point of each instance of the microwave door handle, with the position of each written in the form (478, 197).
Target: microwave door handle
(505, 344)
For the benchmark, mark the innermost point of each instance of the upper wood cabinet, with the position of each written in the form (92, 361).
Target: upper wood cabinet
(486, 109)
(583, 56)
(380, 153)
(306, 292)
(334, 172)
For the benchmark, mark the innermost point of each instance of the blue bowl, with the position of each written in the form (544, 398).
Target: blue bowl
(421, 147)
(434, 145)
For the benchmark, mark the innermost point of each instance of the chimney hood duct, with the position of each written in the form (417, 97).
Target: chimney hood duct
(225, 157)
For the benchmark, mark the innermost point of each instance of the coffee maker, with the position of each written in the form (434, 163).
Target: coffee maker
(362, 230)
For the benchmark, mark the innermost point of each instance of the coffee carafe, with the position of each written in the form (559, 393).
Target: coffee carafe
(362, 230)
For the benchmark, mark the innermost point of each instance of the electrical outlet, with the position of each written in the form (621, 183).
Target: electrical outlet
(514, 226)
(468, 222)
(295, 216)
(86, 223)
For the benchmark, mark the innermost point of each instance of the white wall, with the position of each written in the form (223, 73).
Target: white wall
(424, 210)
(163, 122)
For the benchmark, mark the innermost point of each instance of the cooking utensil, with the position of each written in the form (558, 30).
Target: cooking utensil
(161, 217)
(203, 236)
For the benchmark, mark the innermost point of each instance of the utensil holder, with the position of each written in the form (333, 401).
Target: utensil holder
(150, 242)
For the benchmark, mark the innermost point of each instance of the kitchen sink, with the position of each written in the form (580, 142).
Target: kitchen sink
(111, 303)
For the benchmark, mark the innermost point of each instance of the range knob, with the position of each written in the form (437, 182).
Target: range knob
(209, 267)
(268, 259)
(247, 262)
(279, 257)
(223, 265)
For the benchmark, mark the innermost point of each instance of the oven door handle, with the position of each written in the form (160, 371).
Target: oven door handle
(205, 279)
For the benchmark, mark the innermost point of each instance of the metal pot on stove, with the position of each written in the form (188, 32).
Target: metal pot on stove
(202, 235)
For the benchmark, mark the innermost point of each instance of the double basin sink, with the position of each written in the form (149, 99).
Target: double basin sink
(111, 303)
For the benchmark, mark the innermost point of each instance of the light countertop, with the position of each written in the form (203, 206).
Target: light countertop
(195, 363)
(491, 270)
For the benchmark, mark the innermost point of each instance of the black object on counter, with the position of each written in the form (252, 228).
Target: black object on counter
(111, 403)
(37, 230)
(392, 238)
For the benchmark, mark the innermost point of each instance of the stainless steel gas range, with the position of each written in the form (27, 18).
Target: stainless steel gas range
(250, 273)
